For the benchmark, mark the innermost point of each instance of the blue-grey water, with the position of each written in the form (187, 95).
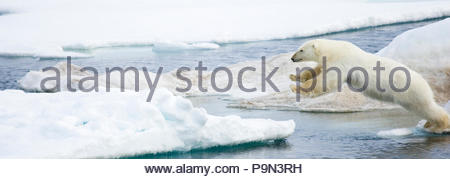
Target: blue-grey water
(317, 135)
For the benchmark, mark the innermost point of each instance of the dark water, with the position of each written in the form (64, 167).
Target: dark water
(317, 135)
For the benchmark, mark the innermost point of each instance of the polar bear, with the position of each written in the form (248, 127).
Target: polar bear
(385, 85)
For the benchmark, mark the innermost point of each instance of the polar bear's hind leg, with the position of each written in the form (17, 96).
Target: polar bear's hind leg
(437, 118)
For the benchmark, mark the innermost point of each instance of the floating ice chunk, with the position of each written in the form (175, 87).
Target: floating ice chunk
(179, 46)
(77, 125)
(44, 52)
(395, 132)
(33, 79)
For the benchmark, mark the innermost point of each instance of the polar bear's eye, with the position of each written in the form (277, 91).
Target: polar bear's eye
(301, 50)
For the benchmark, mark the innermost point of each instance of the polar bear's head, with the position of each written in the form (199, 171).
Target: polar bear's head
(309, 51)
(316, 50)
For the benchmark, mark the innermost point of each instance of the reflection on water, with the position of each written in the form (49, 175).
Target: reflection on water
(433, 146)
(224, 151)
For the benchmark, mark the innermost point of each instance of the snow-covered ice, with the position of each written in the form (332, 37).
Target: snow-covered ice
(423, 47)
(79, 125)
(426, 50)
(44, 28)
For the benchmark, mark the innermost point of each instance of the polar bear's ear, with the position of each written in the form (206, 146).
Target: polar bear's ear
(315, 46)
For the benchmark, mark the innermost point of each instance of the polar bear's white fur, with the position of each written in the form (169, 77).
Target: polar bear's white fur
(418, 98)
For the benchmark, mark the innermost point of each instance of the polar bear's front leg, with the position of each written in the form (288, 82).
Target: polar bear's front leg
(315, 87)
(306, 75)
(302, 92)
(295, 77)
(311, 88)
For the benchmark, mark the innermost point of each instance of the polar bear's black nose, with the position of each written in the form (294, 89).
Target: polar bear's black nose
(292, 58)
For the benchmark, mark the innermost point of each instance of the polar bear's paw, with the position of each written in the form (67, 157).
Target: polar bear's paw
(304, 76)
(295, 89)
(432, 127)
(294, 77)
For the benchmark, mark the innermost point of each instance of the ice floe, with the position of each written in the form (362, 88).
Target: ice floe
(80, 125)
(426, 50)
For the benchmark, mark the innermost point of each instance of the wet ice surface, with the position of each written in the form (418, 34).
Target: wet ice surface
(317, 135)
